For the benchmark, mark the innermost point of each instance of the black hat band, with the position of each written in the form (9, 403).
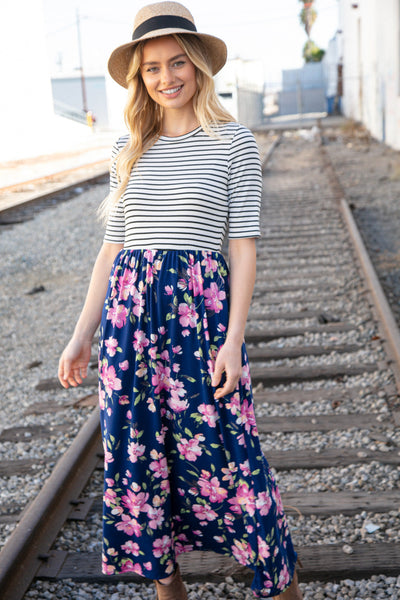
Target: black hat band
(163, 22)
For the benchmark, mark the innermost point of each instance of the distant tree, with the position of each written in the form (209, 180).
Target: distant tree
(311, 52)
(308, 15)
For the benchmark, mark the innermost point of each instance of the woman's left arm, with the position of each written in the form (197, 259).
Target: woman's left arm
(242, 267)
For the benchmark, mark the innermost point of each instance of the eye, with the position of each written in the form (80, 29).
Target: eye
(152, 70)
(179, 63)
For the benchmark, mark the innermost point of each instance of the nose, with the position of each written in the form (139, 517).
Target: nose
(166, 76)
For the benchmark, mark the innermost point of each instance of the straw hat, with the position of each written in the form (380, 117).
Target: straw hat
(155, 20)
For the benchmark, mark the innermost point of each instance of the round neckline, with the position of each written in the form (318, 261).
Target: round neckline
(180, 137)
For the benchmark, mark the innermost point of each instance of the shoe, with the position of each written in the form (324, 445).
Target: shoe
(175, 590)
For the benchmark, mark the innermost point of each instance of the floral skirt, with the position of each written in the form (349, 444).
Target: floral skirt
(183, 471)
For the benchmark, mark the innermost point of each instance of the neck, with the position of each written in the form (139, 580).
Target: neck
(175, 123)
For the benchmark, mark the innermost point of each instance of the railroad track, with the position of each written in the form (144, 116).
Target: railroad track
(325, 363)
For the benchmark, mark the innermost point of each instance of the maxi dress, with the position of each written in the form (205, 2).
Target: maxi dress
(183, 471)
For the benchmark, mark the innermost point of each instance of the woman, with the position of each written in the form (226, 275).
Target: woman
(183, 465)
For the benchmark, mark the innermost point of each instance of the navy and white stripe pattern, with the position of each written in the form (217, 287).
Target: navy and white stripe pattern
(186, 191)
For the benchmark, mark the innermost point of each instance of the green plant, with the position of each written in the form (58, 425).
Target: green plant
(311, 52)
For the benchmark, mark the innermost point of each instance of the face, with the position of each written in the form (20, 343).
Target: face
(168, 74)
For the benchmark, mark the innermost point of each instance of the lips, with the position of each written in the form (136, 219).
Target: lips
(172, 91)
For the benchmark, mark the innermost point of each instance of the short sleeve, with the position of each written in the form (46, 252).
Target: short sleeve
(115, 228)
(244, 186)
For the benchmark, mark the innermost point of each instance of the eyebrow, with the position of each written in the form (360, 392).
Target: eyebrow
(155, 62)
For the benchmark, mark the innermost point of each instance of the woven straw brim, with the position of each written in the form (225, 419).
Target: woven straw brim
(118, 63)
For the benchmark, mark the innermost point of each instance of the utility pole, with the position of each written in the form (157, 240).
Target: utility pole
(83, 83)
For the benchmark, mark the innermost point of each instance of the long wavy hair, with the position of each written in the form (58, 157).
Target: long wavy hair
(143, 116)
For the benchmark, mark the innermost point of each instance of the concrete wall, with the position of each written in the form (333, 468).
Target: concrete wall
(371, 68)
(303, 90)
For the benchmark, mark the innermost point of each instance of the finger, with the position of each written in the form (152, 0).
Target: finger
(216, 378)
(228, 387)
(76, 374)
(63, 374)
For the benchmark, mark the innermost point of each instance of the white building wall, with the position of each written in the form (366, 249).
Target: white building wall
(371, 70)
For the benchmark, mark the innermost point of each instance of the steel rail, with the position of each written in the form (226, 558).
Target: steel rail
(384, 312)
(30, 542)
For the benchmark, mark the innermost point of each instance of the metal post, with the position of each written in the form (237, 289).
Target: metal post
(83, 83)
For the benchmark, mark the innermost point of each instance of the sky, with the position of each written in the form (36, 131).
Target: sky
(266, 30)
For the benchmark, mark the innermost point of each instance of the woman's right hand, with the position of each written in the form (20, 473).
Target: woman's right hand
(74, 361)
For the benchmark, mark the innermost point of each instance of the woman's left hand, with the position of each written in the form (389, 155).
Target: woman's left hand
(229, 361)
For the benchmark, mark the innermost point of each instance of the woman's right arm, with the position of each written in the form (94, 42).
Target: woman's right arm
(76, 356)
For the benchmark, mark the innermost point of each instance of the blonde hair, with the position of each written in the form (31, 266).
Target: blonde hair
(143, 116)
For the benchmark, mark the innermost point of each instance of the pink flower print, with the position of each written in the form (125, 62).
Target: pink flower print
(246, 498)
(164, 355)
(191, 449)
(156, 517)
(177, 405)
(212, 488)
(135, 450)
(102, 398)
(149, 255)
(110, 380)
(245, 468)
(245, 379)
(234, 404)
(263, 503)
(229, 521)
(177, 349)
(263, 549)
(142, 370)
(124, 366)
(109, 497)
(129, 567)
(210, 415)
(229, 472)
(140, 342)
(213, 297)
(182, 285)
(139, 302)
(107, 569)
(136, 503)
(177, 389)
(235, 505)
(185, 332)
(221, 328)
(278, 501)
(111, 345)
(153, 353)
(117, 314)
(161, 378)
(246, 417)
(129, 526)
(131, 548)
(195, 279)
(204, 513)
(162, 330)
(159, 466)
(284, 577)
(242, 552)
(209, 263)
(126, 284)
(188, 315)
(161, 546)
(169, 290)
(149, 274)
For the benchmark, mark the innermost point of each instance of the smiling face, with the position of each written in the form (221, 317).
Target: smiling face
(168, 74)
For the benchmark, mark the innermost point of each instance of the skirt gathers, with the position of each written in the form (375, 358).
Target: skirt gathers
(183, 471)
